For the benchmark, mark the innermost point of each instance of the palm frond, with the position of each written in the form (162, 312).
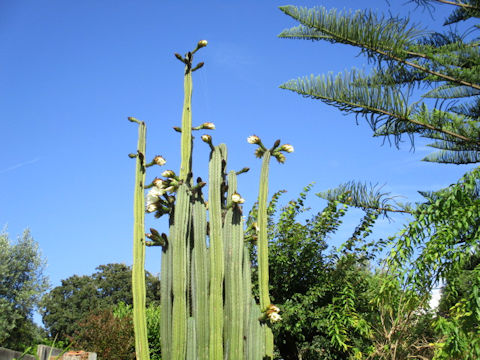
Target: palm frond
(469, 109)
(303, 33)
(470, 8)
(451, 91)
(365, 196)
(364, 29)
(352, 92)
(453, 157)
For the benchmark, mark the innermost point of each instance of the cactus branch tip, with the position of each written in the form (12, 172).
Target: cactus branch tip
(275, 145)
(198, 66)
(135, 120)
(244, 170)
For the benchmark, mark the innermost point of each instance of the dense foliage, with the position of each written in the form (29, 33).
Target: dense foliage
(110, 336)
(333, 305)
(441, 244)
(109, 332)
(77, 296)
(22, 283)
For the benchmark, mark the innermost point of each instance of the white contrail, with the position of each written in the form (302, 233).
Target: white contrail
(14, 167)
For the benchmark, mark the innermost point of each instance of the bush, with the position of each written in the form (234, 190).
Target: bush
(110, 336)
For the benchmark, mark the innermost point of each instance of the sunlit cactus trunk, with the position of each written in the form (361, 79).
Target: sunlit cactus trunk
(262, 247)
(138, 271)
(208, 310)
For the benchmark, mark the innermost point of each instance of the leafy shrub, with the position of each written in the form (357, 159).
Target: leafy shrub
(110, 336)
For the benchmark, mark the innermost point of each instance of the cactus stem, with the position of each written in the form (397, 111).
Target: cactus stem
(138, 271)
(262, 245)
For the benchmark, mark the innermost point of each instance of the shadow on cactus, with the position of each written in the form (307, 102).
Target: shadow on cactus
(207, 307)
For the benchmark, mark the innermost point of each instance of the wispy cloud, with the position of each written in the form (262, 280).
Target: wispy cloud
(19, 165)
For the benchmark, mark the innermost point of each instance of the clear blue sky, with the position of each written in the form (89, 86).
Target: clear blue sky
(71, 72)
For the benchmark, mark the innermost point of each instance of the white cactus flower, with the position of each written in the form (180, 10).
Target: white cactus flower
(253, 139)
(153, 197)
(151, 208)
(202, 43)
(237, 199)
(274, 317)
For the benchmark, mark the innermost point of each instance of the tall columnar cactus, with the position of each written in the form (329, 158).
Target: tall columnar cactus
(208, 310)
(270, 311)
(138, 271)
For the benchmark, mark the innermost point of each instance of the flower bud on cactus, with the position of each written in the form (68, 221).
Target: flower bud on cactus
(259, 152)
(151, 208)
(273, 308)
(280, 158)
(208, 125)
(207, 138)
(253, 139)
(287, 148)
(202, 43)
(159, 160)
(158, 183)
(168, 174)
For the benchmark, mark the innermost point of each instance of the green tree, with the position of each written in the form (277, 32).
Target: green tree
(405, 57)
(77, 296)
(305, 279)
(22, 283)
(333, 306)
(444, 232)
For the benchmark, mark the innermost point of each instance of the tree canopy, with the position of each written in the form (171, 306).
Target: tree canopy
(77, 296)
(405, 57)
(333, 304)
(22, 283)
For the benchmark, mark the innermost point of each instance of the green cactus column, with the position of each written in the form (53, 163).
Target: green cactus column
(181, 323)
(263, 249)
(233, 294)
(270, 312)
(216, 253)
(138, 271)
(166, 298)
(179, 269)
(200, 277)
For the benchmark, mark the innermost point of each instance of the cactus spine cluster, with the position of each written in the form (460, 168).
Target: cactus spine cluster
(208, 310)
